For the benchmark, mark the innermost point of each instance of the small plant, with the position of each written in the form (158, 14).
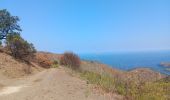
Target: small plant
(71, 60)
(55, 64)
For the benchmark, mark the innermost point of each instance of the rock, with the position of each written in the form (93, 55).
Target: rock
(165, 64)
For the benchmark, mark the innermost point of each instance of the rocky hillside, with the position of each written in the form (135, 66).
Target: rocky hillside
(165, 64)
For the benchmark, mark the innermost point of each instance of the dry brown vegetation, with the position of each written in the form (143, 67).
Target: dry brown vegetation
(133, 85)
(46, 59)
(11, 67)
(43, 61)
(71, 60)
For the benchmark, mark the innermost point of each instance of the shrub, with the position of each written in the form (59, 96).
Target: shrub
(55, 64)
(43, 61)
(71, 60)
(20, 48)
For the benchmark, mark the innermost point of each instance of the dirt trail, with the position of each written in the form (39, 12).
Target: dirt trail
(51, 84)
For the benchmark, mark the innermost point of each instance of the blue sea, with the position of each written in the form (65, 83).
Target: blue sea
(129, 61)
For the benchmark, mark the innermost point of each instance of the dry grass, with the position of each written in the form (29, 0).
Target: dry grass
(131, 90)
(138, 84)
(43, 61)
(46, 59)
(12, 68)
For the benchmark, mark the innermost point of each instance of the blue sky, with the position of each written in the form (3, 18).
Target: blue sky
(93, 26)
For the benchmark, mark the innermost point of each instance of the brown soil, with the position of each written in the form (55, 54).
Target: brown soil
(51, 84)
(10, 67)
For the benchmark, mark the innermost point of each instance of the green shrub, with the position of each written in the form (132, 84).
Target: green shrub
(71, 60)
(20, 48)
(55, 64)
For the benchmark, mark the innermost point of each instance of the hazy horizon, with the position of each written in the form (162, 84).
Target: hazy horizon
(94, 26)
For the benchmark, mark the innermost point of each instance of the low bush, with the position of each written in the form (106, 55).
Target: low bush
(19, 47)
(55, 64)
(43, 61)
(71, 60)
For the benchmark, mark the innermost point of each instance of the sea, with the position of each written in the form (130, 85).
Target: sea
(131, 60)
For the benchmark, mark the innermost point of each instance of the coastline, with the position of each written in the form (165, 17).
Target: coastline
(141, 72)
(131, 61)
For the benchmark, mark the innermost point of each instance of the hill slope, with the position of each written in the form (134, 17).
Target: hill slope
(10, 67)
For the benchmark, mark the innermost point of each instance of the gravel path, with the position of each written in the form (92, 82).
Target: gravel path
(51, 84)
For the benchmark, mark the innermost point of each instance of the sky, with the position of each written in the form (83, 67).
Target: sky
(93, 26)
